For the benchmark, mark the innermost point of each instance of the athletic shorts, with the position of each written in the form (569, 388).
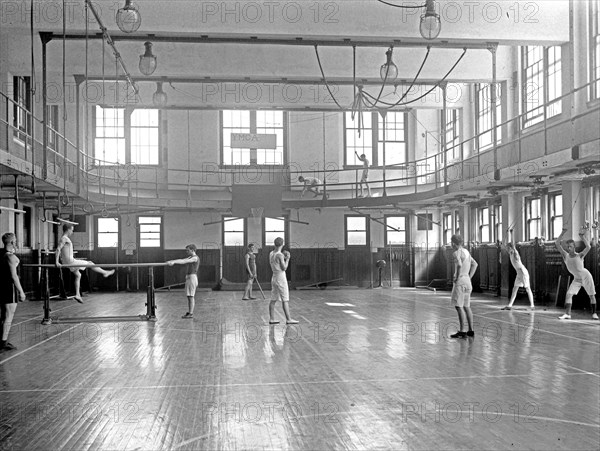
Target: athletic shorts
(522, 279)
(191, 283)
(461, 292)
(279, 288)
(83, 264)
(365, 176)
(250, 276)
(586, 282)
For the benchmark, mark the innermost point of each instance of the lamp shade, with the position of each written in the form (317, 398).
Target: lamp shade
(147, 60)
(128, 18)
(430, 25)
(388, 70)
(159, 98)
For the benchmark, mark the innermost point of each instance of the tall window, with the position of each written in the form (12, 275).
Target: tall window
(447, 227)
(150, 231)
(122, 136)
(109, 139)
(556, 215)
(497, 221)
(26, 238)
(256, 122)
(234, 231)
(357, 231)
(395, 139)
(107, 232)
(52, 119)
(144, 137)
(483, 222)
(484, 124)
(22, 106)
(371, 139)
(452, 120)
(456, 222)
(595, 49)
(533, 217)
(273, 228)
(395, 230)
(542, 78)
(270, 122)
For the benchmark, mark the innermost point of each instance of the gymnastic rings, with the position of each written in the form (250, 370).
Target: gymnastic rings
(104, 213)
(88, 208)
(64, 199)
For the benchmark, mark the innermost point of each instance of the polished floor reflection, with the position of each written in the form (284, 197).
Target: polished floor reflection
(364, 369)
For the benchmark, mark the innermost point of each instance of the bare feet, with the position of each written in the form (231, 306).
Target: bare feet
(109, 273)
(78, 299)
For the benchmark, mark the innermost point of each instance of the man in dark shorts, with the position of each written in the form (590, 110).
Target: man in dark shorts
(10, 280)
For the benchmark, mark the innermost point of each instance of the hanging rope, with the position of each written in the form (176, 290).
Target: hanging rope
(325, 79)
(189, 189)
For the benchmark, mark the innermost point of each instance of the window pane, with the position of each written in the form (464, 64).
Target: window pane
(357, 238)
(356, 223)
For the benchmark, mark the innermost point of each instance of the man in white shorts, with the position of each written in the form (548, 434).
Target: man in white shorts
(192, 263)
(522, 279)
(465, 267)
(582, 278)
(64, 256)
(279, 286)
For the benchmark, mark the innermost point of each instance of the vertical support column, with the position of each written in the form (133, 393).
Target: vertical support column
(443, 137)
(46, 297)
(383, 114)
(492, 48)
(573, 214)
(150, 305)
(46, 37)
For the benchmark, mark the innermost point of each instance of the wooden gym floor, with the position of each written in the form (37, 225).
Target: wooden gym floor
(365, 369)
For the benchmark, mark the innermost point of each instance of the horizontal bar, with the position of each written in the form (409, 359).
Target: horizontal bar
(322, 41)
(107, 265)
(16, 210)
(67, 221)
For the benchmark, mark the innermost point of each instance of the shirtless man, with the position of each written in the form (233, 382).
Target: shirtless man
(582, 278)
(522, 279)
(365, 174)
(310, 184)
(279, 286)
(465, 267)
(64, 256)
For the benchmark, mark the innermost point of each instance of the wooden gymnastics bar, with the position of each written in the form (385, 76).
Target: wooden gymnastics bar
(150, 314)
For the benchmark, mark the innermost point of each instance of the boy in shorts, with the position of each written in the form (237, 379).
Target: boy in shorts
(465, 267)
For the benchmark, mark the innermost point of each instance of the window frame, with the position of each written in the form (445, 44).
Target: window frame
(553, 234)
(406, 229)
(366, 232)
(264, 230)
(351, 162)
(22, 107)
(546, 108)
(127, 113)
(253, 151)
(529, 220)
(161, 232)
(224, 220)
(484, 222)
(481, 116)
(452, 127)
(594, 50)
(97, 232)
